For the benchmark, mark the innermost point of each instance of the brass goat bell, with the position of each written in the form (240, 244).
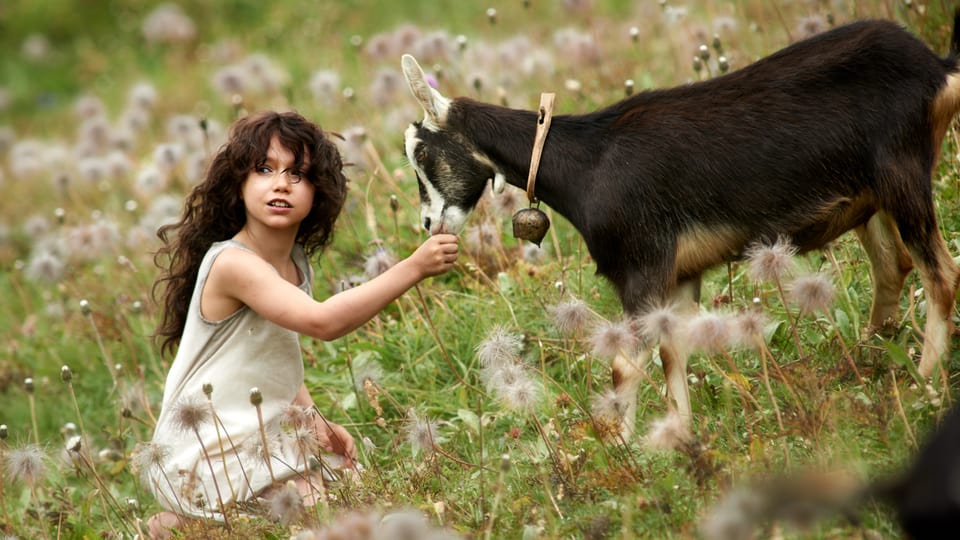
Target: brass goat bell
(530, 224)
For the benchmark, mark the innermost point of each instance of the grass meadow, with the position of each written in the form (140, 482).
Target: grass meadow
(109, 112)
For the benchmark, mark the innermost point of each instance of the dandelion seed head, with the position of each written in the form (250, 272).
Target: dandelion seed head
(296, 417)
(748, 327)
(167, 23)
(44, 266)
(520, 396)
(421, 434)
(660, 324)
(609, 405)
(500, 347)
(734, 517)
(482, 238)
(366, 370)
(189, 413)
(378, 263)
(812, 293)
(709, 333)
(770, 263)
(611, 338)
(26, 464)
(570, 317)
(667, 433)
(325, 86)
(286, 505)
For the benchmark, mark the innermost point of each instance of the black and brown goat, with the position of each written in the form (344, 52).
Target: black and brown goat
(837, 132)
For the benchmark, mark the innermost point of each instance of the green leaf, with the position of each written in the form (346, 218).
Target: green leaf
(469, 419)
(899, 356)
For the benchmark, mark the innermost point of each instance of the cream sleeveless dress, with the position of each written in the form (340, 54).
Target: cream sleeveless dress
(233, 355)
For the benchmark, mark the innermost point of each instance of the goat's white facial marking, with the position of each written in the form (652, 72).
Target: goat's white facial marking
(451, 176)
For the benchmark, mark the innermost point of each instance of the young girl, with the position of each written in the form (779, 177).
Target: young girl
(236, 296)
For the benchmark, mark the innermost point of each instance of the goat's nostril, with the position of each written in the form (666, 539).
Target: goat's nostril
(426, 224)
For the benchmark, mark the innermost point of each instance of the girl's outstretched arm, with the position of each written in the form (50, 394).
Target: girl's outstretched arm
(248, 279)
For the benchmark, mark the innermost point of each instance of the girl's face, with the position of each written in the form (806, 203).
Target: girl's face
(275, 194)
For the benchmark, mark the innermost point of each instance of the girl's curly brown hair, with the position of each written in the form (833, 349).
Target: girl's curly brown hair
(214, 210)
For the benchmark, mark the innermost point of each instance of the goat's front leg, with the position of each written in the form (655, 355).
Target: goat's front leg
(890, 263)
(627, 372)
(686, 301)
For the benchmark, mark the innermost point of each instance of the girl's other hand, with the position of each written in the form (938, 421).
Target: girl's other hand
(437, 254)
(335, 438)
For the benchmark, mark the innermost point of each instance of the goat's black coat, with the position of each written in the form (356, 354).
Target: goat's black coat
(837, 132)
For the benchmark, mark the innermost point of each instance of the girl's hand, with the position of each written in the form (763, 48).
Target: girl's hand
(335, 438)
(436, 255)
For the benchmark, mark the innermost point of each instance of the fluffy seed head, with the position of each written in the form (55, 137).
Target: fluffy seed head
(609, 405)
(667, 433)
(660, 324)
(26, 463)
(769, 263)
(378, 263)
(500, 347)
(286, 505)
(812, 293)
(570, 317)
(421, 433)
(189, 413)
(609, 339)
(709, 333)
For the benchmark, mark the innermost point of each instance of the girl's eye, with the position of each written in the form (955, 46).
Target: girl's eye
(295, 177)
(263, 169)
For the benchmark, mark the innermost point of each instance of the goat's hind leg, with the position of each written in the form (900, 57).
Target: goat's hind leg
(918, 228)
(890, 263)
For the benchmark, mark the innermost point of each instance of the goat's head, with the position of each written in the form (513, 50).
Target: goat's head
(451, 172)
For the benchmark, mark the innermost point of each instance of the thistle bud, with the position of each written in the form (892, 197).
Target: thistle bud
(704, 52)
(634, 34)
(207, 389)
(628, 87)
(28, 385)
(492, 15)
(3, 432)
(60, 214)
(717, 46)
(65, 374)
(85, 308)
(697, 64)
(462, 42)
(723, 64)
(256, 398)
(505, 463)
(136, 307)
(356, 41)
(394, 203)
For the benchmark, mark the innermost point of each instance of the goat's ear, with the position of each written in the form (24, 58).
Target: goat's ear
(434, 104)
(499, 182)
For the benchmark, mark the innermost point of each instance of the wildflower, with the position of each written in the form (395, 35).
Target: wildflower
(660, 324)
(734, 517)
(44, 267)
(26, 464)
(286, 505)
(142, 96)
(521, 395)
(378, 263)
(709, 333)
(365, 369)
(420, 433)
(231, 80)
(533, 253)
(570, 317)
(609, 405)
(748, 326)
(167, 156)
(36, 47)
(296, 417)
(812, 293)
(610, 339)
(167, 23)
(386, 83)
(668, 433)
(500, 347)
(770, 263)
(325, 86)
(189, 413)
